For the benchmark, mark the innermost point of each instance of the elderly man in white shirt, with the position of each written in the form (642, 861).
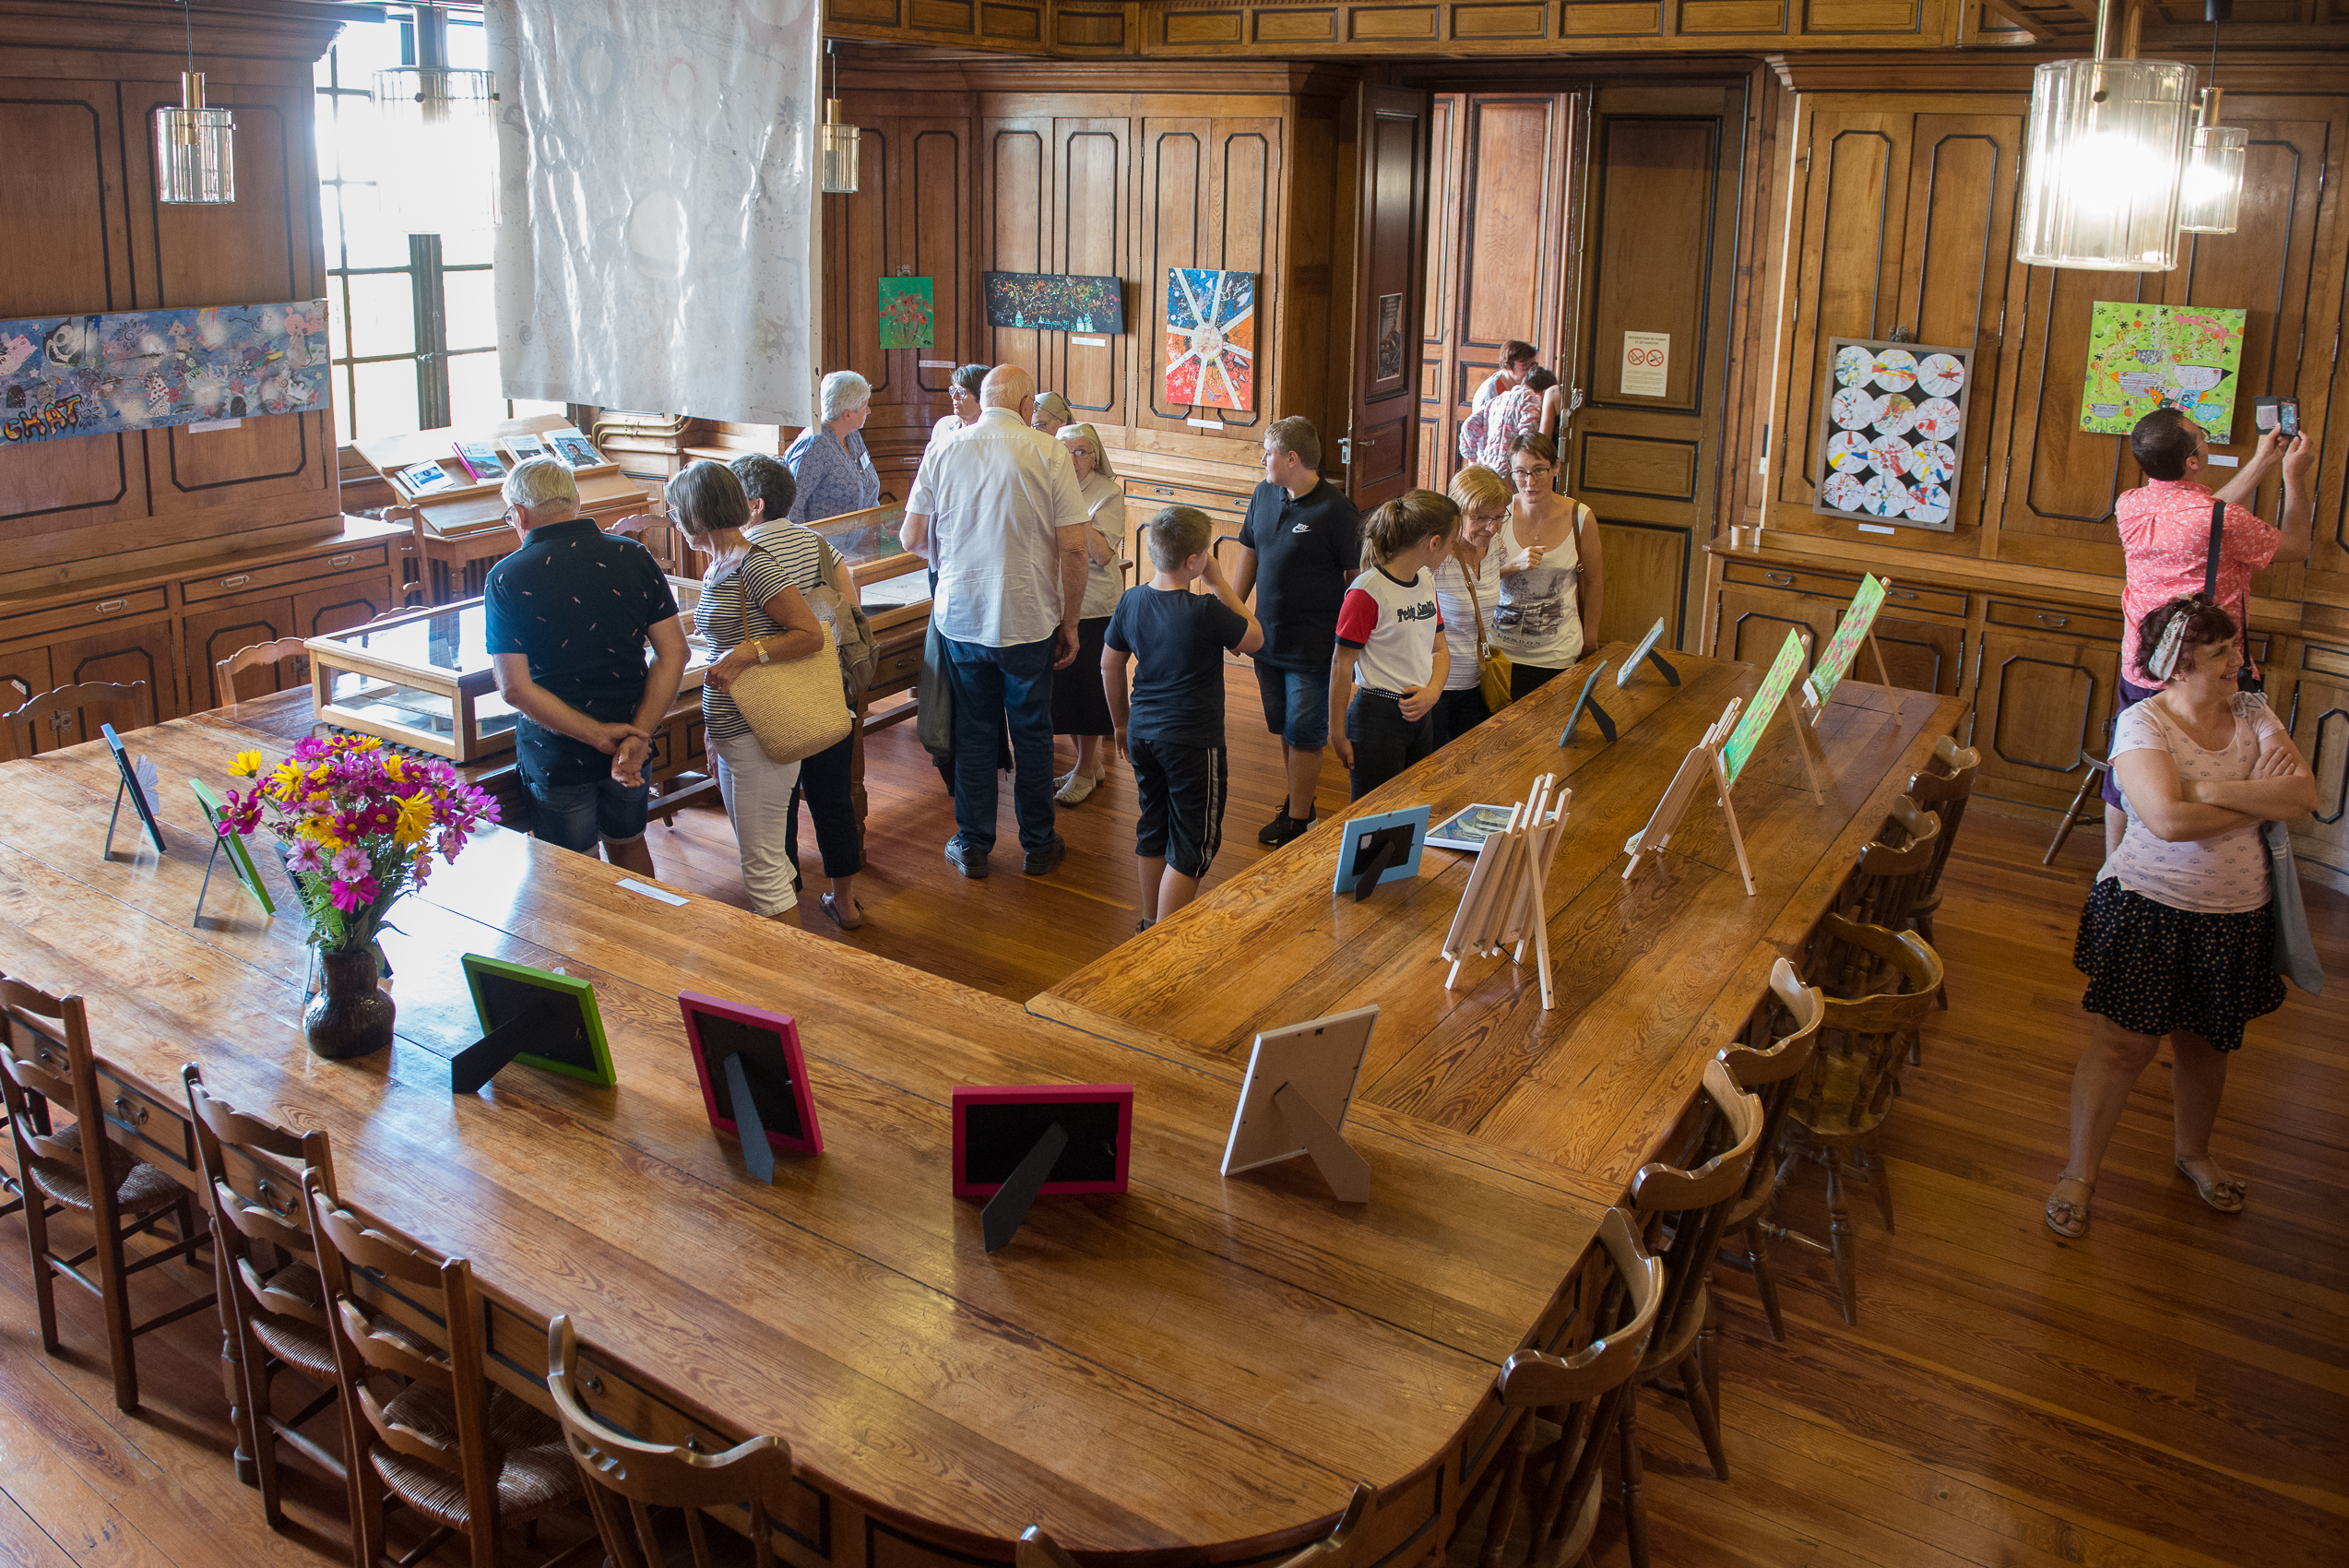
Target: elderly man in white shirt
(999, 511)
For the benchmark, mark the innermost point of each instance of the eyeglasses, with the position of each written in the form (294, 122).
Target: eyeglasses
(1529, 474)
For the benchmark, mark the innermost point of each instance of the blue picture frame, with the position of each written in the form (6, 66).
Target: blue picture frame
(1354, 840)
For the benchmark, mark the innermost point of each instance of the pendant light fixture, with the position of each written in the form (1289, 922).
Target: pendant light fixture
(2104, 158)
(195, 146)
(840, 140)
(2211, 200)
(437, 121)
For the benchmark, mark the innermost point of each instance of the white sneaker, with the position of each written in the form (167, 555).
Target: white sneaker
(1074, 788)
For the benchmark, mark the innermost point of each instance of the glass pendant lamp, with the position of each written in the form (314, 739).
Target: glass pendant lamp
(2104, 160)
(195, 146)
(2211, 201)
(839, 141)
(436, 120)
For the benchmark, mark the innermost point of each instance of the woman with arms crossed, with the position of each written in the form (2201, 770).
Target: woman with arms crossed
(2179, 936)
(1552, 591)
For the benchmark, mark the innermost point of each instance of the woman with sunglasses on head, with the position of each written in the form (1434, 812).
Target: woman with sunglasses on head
(2178, 936)
(1080, 701)
(1551, 586)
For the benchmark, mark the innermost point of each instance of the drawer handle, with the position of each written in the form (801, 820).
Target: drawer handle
(1899, 593)
(2046, 620)
(238, 581)
(111, 605)
(591, 1383)
(1781, 579)
(133, 1112)
(693, 1442)
(342, 560)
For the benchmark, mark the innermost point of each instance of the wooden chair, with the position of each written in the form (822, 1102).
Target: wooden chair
(1580, 1395)
(466, 1458)
(1844, 1096)
(1943, 789)
(260, 655)
(1881, 890)
(59, 711)
(1788, 1018)
(1038, 1549)
(2090, 783)
(1682, 1213)
(271, 1307)
(650, 1500)
(46, 1065)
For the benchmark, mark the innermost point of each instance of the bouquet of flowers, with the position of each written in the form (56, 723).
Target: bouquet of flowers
(357, 826)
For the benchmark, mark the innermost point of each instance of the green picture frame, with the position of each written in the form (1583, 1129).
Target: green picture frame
(232, 845)
(493, 983)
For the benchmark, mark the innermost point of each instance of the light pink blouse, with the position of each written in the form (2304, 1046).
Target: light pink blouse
(2224, 875)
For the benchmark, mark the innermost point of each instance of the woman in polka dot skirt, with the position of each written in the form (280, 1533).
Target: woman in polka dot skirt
(2179, 936)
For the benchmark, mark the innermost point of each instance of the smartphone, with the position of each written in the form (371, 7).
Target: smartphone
(2288, 419)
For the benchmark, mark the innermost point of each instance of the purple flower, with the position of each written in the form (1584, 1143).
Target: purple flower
(306, 856)
(351, 862)
(351, 897)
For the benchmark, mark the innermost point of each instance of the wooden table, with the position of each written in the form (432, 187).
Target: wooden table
(1652, 975)
(1196, 1369)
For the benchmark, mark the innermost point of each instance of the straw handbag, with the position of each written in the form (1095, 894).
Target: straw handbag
(1493, 669)
(794, 706)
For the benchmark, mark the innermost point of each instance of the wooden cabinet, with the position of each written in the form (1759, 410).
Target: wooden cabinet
(2043, 699)
(216, 630)
(2318, 712)
(1750, 623)
(127, 652)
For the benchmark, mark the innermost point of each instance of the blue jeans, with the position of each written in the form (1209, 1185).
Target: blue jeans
(993, 685)
(576, 816)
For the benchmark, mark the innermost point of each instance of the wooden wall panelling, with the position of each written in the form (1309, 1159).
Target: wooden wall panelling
(1741, 483)
(1016, 228)
(1511, 173)
(2042, 698)
(2319, 715)
(1308, 320)
(1438, 408)
(1092, 237)
(1390, 262)
(1659, 257)
(65, 142)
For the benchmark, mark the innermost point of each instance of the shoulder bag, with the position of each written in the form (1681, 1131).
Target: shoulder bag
(1494, 672)
(794, 706)
(833, 599)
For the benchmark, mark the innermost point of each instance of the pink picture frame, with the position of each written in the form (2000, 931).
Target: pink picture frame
(994, 1127)
(716, 1028)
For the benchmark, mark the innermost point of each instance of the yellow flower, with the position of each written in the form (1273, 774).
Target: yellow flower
(282, 781)
(415, 820)
(392, 769)
(245, 765)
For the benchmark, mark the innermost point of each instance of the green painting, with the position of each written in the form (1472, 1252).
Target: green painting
(2145, 357)
(907, 318)
(1738, 749)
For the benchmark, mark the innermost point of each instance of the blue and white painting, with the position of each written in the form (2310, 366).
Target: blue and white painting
(67, 376)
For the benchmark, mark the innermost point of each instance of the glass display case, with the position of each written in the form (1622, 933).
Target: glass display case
(424, 679)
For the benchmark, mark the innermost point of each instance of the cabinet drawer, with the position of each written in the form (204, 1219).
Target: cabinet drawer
(1837, 585)
(2318, 659)
(2068, 620)
(1153, 491)
(1932, 600)
(898, 664)
(148, 1127)
(82, 613)
(375, 557)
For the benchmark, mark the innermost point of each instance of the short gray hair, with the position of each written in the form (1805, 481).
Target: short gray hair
(707, 497)
(541, 481)
(842, 391)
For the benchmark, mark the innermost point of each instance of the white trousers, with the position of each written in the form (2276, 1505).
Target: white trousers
(758, 802)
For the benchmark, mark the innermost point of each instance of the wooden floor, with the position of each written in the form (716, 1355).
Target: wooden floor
(2174, 1389)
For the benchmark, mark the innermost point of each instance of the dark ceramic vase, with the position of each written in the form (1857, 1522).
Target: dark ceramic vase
(349, 1016)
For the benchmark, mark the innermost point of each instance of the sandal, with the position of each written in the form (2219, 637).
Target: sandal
(2065, 1218)
(1074, 788)
(849, 921)
(2223, 1193)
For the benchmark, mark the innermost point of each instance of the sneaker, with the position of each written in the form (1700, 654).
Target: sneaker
(1140, 926)
(1074, 788)
(1288, 830)
(1038, 862)
(971, 862)
(1271, 832)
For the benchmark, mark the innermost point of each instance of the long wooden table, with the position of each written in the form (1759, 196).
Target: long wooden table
(1195, 1371)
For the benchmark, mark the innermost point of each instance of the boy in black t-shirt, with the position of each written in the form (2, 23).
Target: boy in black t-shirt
(1172, 729)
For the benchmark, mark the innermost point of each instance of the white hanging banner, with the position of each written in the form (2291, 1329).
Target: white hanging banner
(1647, 364)
(657, 214)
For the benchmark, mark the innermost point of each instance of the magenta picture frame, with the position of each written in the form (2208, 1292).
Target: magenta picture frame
(975, 1101)
(696, 1006)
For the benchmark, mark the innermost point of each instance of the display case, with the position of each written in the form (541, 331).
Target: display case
(424, 679)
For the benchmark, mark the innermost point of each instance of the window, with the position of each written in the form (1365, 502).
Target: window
(414, 324)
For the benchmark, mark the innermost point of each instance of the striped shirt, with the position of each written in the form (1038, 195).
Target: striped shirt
(783, 558)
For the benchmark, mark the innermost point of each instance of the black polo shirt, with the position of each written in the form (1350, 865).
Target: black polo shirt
(1308, 549)
(580, 604)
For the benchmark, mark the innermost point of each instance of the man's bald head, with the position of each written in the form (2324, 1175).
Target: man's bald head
(1007, 386)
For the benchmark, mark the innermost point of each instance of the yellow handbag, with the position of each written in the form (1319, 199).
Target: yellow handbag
(1493, 669)
(795, 706)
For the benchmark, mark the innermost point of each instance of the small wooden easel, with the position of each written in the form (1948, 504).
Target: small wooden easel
(1502, 906)
(1704, 758)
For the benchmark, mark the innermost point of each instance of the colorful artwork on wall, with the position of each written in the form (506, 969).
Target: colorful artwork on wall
(65, 375)
(2145, 357)
(1210, 338)
(907, 318)
(1055, 301)
(1890, 433)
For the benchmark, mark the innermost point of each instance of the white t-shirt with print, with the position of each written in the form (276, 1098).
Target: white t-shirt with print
(2225, 875)
(1395, 625)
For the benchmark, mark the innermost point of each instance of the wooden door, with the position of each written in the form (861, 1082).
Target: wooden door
(217, 630)
(2042, 700)
(1393, 133)
(1750, 623)
(1657, 235)
(24, 674)
(2319, 720)
(126, 654)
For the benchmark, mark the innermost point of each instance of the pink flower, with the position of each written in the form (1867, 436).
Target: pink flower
(351, 863)
(306, 856)
(350, 897)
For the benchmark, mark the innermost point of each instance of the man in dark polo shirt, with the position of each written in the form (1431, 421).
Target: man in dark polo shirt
(1300, 548)
(569, 614)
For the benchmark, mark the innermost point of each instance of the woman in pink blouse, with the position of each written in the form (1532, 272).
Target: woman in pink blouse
(2179, 936)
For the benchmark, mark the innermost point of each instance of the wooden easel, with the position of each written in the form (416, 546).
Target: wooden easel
(1818, 704)
(1704, 758)
(1502, 906)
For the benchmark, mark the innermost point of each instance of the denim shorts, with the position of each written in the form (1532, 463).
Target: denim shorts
(576, 816)
(1296, 705)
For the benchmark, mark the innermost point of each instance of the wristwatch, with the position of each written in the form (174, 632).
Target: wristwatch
(758, 646)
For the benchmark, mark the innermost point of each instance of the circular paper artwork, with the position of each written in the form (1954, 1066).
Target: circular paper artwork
(1841, 491)
(1940, 376)
(1854, 408)
(1848, 451)
(1854, 364)
(1928, 504)
(1888, 453)
(1895, 370)
(1937, 419)
(1884, 497)
(1895, 412)
(1932, 461)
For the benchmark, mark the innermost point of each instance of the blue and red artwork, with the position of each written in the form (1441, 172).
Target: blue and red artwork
(1211, 338)
(65, 375)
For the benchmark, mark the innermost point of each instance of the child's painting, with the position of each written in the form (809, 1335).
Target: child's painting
(1055, 301)
(907, 320)
(141, 369)
(1210, 338)
(2142, 357)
